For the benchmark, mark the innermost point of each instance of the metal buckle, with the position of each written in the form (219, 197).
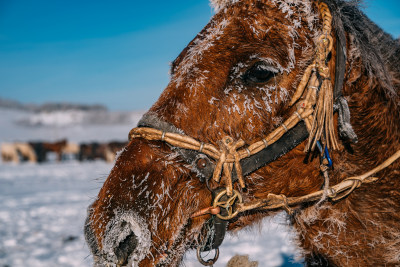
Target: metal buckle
(229, 205)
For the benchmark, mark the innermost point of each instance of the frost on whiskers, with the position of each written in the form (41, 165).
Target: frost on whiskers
(120, 227)
(167, 204)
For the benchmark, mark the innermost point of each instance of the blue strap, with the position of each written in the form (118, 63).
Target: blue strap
(325, 154)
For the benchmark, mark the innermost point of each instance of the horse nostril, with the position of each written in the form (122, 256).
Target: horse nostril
(125, 248)
(126, 239)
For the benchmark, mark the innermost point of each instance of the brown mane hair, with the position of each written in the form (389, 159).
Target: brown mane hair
(220, 87)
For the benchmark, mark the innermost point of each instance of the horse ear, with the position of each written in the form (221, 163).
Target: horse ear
(219, 4)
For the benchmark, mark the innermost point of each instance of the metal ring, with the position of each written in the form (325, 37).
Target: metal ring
(284, 127)
(248, 151)
(209, 262)
(228, 205)
(163, 136)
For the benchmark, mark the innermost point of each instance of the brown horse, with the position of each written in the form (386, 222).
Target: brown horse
(231, 125)
(42, 148)
(56, 147)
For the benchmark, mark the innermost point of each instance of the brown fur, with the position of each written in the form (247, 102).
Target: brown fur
(207, 100)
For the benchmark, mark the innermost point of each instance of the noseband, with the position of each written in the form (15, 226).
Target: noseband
(229, 162)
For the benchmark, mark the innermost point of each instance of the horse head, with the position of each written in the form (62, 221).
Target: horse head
(261, 75)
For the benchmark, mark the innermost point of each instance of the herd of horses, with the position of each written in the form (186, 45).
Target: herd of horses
(39, 152)
(276, 105)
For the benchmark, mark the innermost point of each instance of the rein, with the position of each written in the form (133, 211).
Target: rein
(231, 160)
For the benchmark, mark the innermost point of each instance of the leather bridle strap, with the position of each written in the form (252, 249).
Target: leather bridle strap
(228, 156)
(286, 143)
(204, 167)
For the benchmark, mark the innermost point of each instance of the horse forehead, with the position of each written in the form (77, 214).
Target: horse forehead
(213, 36)
(248, 20)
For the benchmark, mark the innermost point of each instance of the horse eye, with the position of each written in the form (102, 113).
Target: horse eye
(259, 73)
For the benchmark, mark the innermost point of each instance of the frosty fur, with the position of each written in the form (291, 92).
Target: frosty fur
(208, 99)
(219, 4)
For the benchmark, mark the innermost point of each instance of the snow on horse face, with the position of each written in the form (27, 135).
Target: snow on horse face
(236, 79)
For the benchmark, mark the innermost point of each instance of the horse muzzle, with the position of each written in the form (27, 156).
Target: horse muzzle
(125, 241)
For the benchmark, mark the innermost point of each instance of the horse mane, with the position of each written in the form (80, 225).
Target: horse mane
(378, 50)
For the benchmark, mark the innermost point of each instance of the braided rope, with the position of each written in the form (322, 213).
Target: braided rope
(320, 125)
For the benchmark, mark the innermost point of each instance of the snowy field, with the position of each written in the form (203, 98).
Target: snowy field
(43, 207)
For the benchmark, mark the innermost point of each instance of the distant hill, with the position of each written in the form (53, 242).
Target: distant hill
(49, 107)
(52, 122)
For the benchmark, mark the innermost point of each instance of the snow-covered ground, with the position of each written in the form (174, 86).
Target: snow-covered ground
(43, 207)
(42, 211)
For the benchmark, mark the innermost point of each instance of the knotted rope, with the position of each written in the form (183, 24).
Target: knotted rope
(320, 124)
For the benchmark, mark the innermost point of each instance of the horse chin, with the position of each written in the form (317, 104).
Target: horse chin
(186, 237)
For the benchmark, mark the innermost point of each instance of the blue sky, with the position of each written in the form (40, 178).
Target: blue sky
(115, 53)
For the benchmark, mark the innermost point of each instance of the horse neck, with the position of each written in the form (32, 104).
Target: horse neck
(373, 80)
(371, 211)
(375, 111)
